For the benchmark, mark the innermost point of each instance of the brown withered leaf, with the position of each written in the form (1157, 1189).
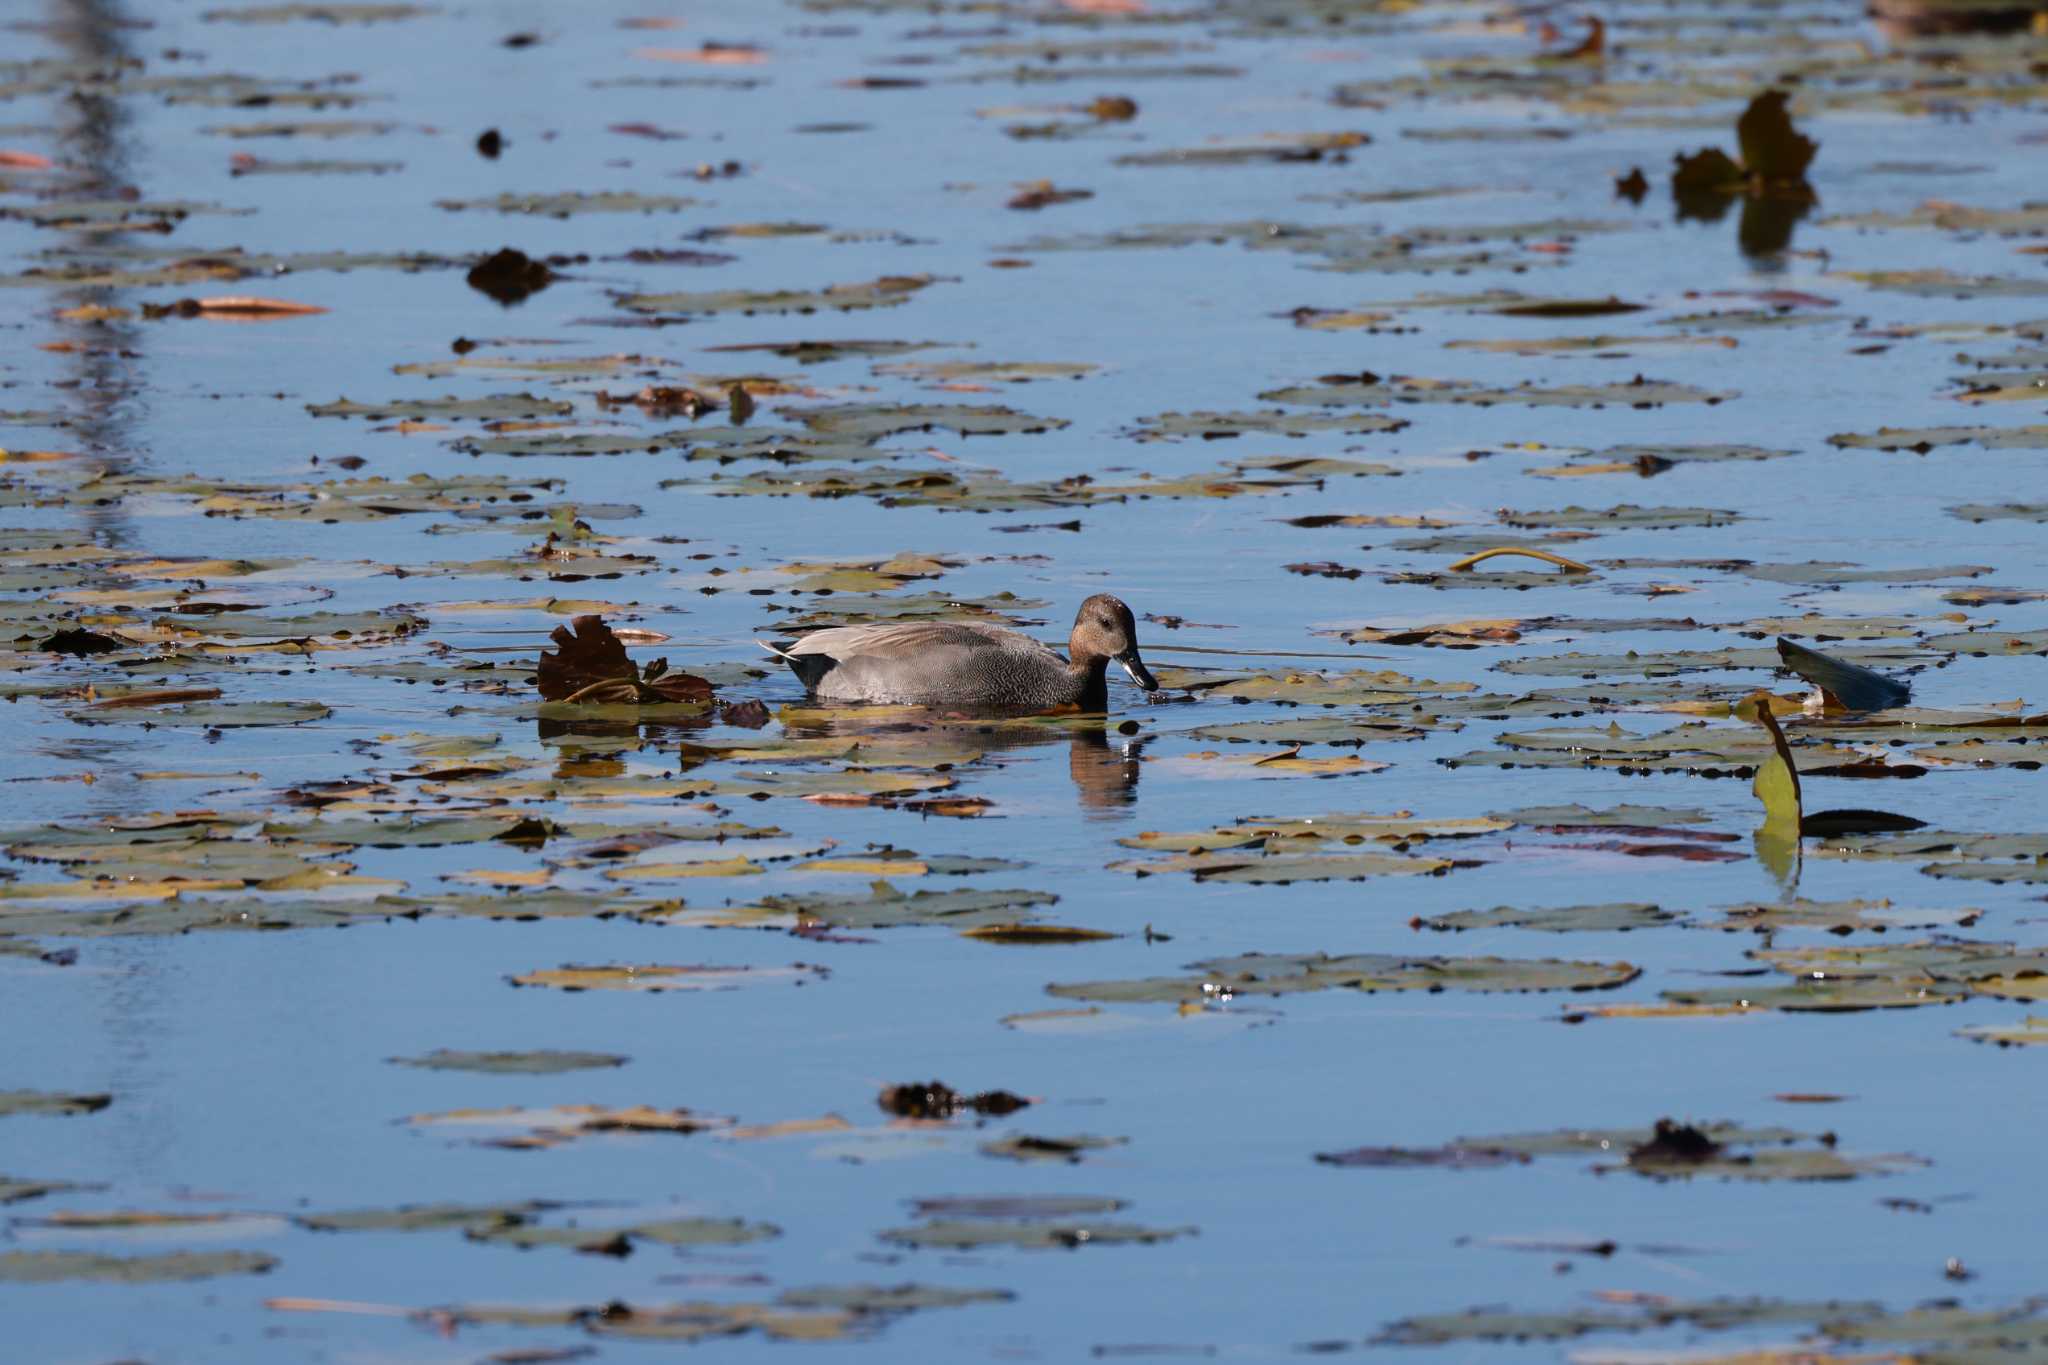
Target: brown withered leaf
(591, 665)
(1772, 149)
(231, 307)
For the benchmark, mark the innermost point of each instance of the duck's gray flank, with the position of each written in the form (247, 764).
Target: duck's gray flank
(969, 663)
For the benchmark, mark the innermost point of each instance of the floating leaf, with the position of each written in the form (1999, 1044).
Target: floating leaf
(1617, 918)
(48, 1102)
(51, 1267)
(1260, 974)
(884, 292)
(2032, 1032)
(656, 977)
(541, 1063)
(1032, 1235)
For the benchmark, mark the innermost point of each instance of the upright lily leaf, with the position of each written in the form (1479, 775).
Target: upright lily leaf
(1777, 779)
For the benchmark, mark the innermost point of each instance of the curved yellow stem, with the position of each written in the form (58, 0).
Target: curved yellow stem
(1568, 565)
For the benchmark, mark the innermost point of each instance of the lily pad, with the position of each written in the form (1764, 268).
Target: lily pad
(885, 292)
(50, 1102)
(658, 977)
(1258, 974)
(51, 1267)
(570, 204)
(540, 1063)
(1031, 1235)
(1617, 918)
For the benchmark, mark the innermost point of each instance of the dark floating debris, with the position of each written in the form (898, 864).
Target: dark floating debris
(937, 1100)
(1674, 1145)
(510, 276)
(489, 143)
(80, 642)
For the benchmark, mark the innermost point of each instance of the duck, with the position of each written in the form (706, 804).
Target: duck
(969, 663)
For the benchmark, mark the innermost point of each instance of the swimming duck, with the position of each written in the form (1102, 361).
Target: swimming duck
(969, 663)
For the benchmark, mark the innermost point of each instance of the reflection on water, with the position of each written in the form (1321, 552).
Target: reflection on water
(1104, 763)
(1902, 20)
(1105, 771)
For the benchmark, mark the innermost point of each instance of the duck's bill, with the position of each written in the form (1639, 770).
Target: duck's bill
(1140, 674)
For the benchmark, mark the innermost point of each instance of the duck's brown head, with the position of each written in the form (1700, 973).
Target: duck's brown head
(1104, 629)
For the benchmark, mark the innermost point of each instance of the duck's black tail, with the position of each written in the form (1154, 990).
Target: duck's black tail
(809, 668)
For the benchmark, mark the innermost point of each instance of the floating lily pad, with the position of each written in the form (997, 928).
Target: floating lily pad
(571, 204)
(619, 1241)
(1840, 916)
(1071, 1150)
(1625, 516)
(1215, 426)
(50, 1102)
(51, 1267)
(657, 977)
(1032, 1235)
(540, 1063)
(425, 1217)
(1618, 918)
(2031, 1032)
(1635, 393)
(499, 407)
(14, 1190)
(885, 908)
(1923, 439)
(1259, 974)
(522, 1129)
(884, 292)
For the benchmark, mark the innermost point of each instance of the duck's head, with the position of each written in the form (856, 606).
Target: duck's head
(1105, 629)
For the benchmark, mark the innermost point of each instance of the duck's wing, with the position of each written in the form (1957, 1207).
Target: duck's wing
(905, 639)
(870, 647)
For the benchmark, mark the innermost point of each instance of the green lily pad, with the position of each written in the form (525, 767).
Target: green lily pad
(1626, 516)
(1032, 1235)
(425, 1217)
(1029, 1148)
(541, 1063)
(339, 13)
(52, 1267)
(1215, 426)
(618, 1241)
(498, 407)
(1617, 918)
(655, 978)
(1923, 439)
(885, 292)
(884, 907)
(14, 1190)
(872, 421)
(1250, 864)
(570, 204)
(1259, 974)
(894, 1298)
(2031, 1032)
(1840, 916)
(211, 715)
(1635, 393)
(50, 1102)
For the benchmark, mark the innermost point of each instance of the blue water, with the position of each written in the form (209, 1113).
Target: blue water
(248, 1070)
